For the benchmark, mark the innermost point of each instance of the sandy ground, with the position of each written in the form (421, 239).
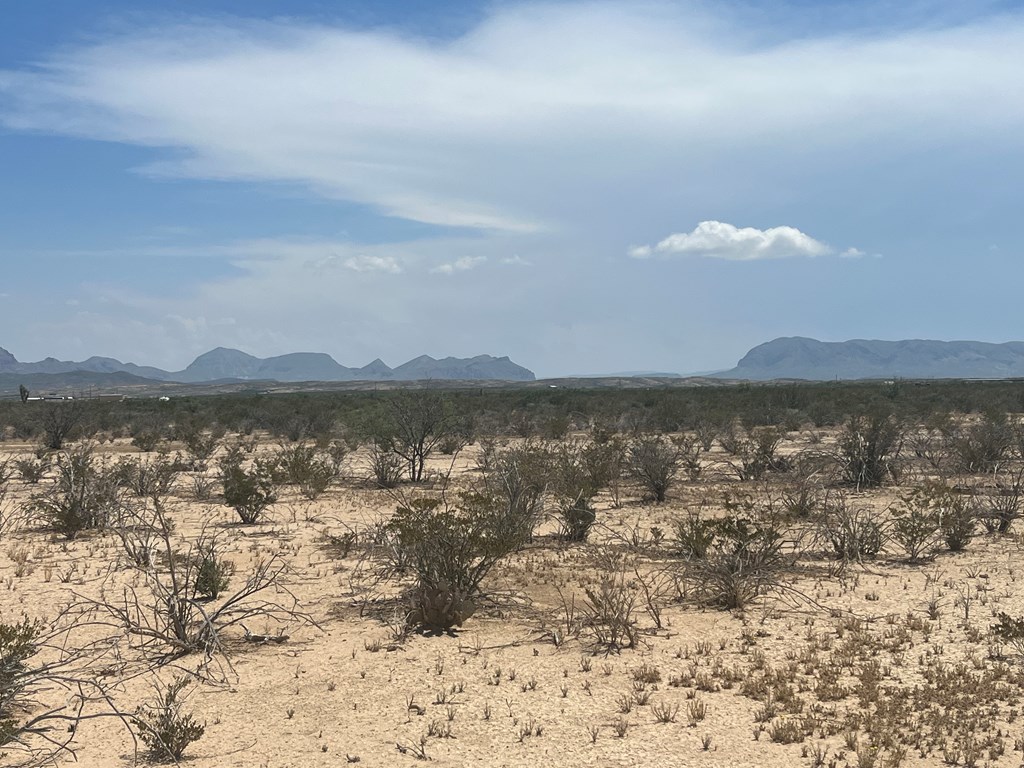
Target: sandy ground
(499, 692)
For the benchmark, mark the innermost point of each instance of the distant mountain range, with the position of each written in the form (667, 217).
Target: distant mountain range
(802, 358)
(232, 365)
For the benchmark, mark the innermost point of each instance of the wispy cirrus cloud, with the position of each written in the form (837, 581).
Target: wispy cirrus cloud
(719, 240)
(473, 131)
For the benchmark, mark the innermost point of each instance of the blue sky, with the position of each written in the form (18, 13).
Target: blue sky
(584, 186)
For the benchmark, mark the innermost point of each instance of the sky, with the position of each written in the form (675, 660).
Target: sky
(586, 187)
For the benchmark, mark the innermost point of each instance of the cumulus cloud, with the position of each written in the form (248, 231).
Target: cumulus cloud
(367, 263)
(718, 240)
(464, 264)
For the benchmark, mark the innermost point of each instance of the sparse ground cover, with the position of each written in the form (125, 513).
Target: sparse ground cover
(841, 595)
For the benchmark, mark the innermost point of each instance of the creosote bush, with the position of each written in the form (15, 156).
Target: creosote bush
(451, 549)
(385, 467)
(18, 644)
(917, 522)
(853, 533)
(869, 450)
(164, 726)
(652, 461)
(83, 495)
(212, 571)
(248, 491)
(743, 561)
(303, 465)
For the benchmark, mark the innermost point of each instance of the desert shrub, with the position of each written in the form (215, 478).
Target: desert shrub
(576, 471)
(652, 462)
(152, 478)
(451, 549)
(169, 617)
(386, 468)
(1011, 629)
(18, 644)
(743, 562)
(411, 425)
(853, 533)
(449, 445)
(164, 726)
(146, 435)
(917, 522)
(605, 463)
(982, 446)
(31, 470)
(690, 452)
(869, 449)
(35, 660)
(520, 476)
(757, 454)
(929, 443)
(958, 522)
(212, 571)
(695, 535)
(12, 515)
(707, 431)
(199, 446)
(83, 496)
(1003, 507)
(304, 466)
(202, 486)
(577, 517)
(59, 421)
(337, 451)
(608, 612)
(248, 491)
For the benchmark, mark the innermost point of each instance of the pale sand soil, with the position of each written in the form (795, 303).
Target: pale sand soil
(347, 699)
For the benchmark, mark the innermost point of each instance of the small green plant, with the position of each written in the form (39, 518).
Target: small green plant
(917, 523)
(695, 535)
(163, 725)
(248, 491)
(212, 571)
(31, 470)
(577, 518)
(1011, 629)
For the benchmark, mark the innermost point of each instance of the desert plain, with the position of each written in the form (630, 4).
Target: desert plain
(820, 623)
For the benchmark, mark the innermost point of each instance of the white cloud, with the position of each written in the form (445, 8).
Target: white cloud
(365, 263)
(516, 261)
(718, 240)
(464, 264)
